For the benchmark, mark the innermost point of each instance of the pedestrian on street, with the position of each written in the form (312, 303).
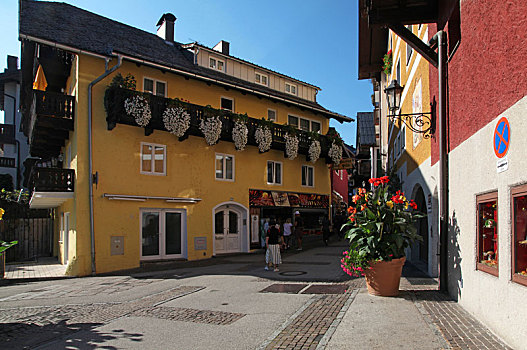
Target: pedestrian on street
(325, 230)
(299, 229)
(287, 233)
(273, 240)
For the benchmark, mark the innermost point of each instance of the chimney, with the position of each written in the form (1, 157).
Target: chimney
(223, 47)
(12, 63)
(166, 27)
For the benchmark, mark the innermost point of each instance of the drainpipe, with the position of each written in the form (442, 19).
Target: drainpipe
(441, 39)
(90, 160)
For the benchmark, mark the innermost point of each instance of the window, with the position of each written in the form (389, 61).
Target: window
(290, 89)
(487, 233)
(519, 234)
(274, 173)
(153, 159)
(396, 146)
(308, 176)
(227, 104)
(224, 167)
(271, 115)
(315, 127)
(409, 52)
(217, 64)
(155, 87)
(260, 78)
(398, 71)
(304, 124)
(292, 120)
(403, 138)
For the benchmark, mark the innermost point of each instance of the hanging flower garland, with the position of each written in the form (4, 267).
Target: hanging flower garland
(137, 106)
(176, 120)
(239, 135)
(335, 152)
(264, 138)
(211, 128)
(314, 151)
(291, 146)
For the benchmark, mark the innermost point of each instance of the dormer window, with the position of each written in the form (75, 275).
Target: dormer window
(217, 64)
(260, 78)
(290, 88)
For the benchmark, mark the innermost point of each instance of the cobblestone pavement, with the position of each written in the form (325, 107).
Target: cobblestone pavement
(27, 327)
(190, 315)
(460, 329)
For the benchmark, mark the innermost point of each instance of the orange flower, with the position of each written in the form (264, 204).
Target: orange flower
(352, 210)
(362, 191)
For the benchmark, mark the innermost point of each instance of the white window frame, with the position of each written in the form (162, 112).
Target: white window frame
(216, 60)
(224, 155)
(274, 173)
(275, 114)
(294, 116)
(154, 92)
(319, 124)
(307, 175)
(152, 161)
(227, 98)
(290, 86)
(308, 123)
(311, 121)
(259, 80)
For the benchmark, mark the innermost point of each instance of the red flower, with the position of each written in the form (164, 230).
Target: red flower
(389, 52)
(412, 204)
(371, 180)
(352, 210)
(384, 179)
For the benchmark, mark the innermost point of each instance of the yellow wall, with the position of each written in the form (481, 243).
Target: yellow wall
(190, 168)
(413, 157)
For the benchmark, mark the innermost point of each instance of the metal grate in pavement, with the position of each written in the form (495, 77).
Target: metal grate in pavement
(219, 318)
(326, 289)
(284, 288)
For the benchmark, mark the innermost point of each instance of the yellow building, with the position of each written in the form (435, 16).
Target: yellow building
(127, 190)
(408, 150)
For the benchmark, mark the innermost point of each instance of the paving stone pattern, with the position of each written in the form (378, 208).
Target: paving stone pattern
(309, 327)
(190, 315)
(30, 326)
(457, 327)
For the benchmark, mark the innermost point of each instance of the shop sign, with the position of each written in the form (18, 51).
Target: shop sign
(261, 198)
(502, 138)
(345, 163)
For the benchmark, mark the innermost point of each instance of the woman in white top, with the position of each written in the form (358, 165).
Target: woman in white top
(287, 232)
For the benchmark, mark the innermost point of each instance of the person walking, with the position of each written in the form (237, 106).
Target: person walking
(273, 240)
(299, 229)
(287, 233)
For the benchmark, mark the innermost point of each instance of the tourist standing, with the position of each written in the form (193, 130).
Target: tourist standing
(273, 240)
(287, 233)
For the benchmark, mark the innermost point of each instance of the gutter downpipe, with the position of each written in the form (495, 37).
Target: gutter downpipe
(443, 164)
(90, 167)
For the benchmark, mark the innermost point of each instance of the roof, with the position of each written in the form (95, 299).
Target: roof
(80, 29)
(12, 75)
(366, 129)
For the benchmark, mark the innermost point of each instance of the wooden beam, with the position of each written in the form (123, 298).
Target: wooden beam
(416, 43)
(411, 14)
(54, 123)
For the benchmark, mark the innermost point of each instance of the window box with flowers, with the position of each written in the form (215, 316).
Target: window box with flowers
(379, 229)
(387, 62)
(335, 149)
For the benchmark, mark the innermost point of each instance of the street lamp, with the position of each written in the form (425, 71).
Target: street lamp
(420, 123)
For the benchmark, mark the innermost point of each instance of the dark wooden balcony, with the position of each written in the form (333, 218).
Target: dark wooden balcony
(52, 118)
(6, 162)
(116, 114)
(51, 186)
(7, 133)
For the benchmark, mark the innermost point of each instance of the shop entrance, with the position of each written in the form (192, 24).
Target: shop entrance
(420, 249)
(163, 234)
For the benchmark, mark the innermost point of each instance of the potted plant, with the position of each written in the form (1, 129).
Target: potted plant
(380, 226)
(387, 62)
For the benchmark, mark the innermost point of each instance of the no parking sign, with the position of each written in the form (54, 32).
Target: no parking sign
(501, 142)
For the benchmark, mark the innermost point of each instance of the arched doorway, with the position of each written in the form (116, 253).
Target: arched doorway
(230, 228)
(422, 226)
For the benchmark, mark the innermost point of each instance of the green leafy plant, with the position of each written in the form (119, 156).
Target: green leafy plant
(6, 245)
(19, 196)
(291, 130)
(265, 123)
(127, 82)
(387, 62)
(334, 136)
(379, 228)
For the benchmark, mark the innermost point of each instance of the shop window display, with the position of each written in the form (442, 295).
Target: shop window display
(487, 259)
(519, 239)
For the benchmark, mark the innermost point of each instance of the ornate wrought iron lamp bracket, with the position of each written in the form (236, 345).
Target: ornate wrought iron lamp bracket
(420, 123)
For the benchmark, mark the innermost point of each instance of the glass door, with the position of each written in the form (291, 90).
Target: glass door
(163, 234)
(227, 225)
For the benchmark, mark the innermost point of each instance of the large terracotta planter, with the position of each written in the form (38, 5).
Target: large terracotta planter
(384, 276)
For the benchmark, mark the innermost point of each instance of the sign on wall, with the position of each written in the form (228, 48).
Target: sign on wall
(501, 141)
(261, 198)
(417, 107)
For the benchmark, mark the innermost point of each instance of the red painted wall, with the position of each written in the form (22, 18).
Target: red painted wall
(340, 185)
(488, 72)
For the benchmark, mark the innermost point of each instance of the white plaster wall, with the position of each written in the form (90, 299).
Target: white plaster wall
(426, 177)
(496, 301)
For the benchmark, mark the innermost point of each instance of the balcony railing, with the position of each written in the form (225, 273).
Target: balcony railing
(54, 104)
(52, 180)
(7, 133)
(6, 162)
(116, 114)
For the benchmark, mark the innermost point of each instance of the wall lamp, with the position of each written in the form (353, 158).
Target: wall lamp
(420, 123)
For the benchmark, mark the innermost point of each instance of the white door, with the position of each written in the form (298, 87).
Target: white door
(163, 234)
(227, 224)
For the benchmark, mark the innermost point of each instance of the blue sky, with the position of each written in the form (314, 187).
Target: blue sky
(314, 41)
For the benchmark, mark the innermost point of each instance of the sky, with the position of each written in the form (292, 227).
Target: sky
(311, 40)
